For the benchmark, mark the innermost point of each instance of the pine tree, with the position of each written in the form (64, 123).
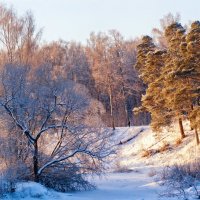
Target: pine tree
(174, 89)
(143, 49)
(189, 72)
(172, 77)
(154, 100)
(149, 64)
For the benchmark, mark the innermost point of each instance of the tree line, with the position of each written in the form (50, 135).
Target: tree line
(171, 71)
(104, 65)
(57, 100)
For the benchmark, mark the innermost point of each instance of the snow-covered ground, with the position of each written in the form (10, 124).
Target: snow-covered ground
(131, 153)
(115, 186)
(131, 174)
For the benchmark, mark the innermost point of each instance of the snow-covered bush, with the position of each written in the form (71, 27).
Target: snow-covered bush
(56, 127)
(13, 167)
(65, 179)
(7, 183)
(179, 178)
(29, 190)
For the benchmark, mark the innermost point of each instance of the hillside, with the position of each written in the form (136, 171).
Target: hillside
(157, 149)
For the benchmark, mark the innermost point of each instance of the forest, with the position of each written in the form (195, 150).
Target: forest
(60, 102)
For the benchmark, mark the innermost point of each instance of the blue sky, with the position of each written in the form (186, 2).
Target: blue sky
(75, 19)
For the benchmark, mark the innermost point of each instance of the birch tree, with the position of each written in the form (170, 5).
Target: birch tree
(18, 36)
(102, 71)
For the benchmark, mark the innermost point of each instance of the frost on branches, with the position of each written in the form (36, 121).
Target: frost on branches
(56, 122)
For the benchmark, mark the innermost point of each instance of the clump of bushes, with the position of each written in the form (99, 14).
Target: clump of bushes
(179, 178)
(150, 152)
(65, 179)
(9, 177)
(7, 183)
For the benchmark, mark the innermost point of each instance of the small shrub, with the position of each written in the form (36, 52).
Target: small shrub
(178, 142)
(7, 184)
(65, 180)
(164, 147)
(146, 153)
(178, 178)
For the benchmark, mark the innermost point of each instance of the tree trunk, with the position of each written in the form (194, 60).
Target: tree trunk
(127, 120)
(111, 108)
(197, 136)
(191, 128)
(181, 128)
(35, 162)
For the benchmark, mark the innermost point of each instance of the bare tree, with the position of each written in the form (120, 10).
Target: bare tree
(101, 67)
(158, 34)
(111, 62)
(18, 36)
(57, 118)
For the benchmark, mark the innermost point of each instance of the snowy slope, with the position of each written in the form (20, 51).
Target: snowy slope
(130, 175)
(131, 153)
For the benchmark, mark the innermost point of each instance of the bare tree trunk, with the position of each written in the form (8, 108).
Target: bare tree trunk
(35, 162)
(197, 136)
(181, 128)
(111, 108)
(127, 117)
(127, 120)
(191, 128)
(195, 129)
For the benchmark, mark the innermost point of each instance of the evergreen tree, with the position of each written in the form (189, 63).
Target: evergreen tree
(172, 77)
(189, 72)
(143, 49)
(175, 89)
(149, 64)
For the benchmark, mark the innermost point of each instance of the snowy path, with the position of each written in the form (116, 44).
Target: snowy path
(136, 185)
(120, 186)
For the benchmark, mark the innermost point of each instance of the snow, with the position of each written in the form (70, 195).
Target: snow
(130, 154)
(136, 185)
(118, 186)
(29, 190)
(130, 176)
